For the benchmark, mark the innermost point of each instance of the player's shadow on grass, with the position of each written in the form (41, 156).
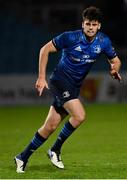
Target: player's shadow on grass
(45, 168)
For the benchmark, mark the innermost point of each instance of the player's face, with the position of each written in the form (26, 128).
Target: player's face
(90, 28)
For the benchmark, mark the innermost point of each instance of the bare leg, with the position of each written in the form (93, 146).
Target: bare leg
(52, 121)
(77, 113)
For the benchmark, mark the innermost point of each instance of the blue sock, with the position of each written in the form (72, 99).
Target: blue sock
(36, 142)
(66, 131)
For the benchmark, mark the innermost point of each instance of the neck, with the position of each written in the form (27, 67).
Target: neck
(89, 38)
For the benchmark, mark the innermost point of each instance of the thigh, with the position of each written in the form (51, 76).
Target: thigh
(53, 117)
(74, 107)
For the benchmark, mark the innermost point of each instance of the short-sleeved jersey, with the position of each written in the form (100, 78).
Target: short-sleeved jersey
(78, 54)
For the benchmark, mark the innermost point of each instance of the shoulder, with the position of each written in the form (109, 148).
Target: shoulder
(73, 34)
(67, 39)
(104, 38)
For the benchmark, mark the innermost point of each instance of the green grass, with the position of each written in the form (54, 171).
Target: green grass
(98, 149)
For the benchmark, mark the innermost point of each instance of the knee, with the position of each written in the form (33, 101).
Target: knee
(77, 120)
(51, 123)
(81, 117)
(51, 126)
(47, 129)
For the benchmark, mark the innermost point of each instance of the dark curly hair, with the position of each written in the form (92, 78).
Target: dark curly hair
(92, 13)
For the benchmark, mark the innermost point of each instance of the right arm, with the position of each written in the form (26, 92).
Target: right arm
(41, 82)
(58, 43)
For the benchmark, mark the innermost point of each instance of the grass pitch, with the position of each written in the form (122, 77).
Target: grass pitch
(97, 149)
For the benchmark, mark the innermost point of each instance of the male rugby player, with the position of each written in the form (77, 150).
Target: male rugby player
(80, 49)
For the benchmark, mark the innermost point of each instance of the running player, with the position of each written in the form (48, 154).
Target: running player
(80, 49)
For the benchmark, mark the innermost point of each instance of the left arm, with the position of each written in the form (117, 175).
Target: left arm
(115, 68)
(113, 59)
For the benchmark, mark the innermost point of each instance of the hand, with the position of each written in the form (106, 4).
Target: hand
(40, 85)
(115, 75)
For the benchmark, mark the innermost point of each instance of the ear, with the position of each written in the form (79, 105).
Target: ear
(99, 27)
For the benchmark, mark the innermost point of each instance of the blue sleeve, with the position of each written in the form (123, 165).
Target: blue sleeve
(62, 41)
(109, 49)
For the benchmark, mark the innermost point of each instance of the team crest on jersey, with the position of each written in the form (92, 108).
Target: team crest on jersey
(97, 49)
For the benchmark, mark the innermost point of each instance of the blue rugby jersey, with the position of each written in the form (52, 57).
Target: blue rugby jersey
(78, 54)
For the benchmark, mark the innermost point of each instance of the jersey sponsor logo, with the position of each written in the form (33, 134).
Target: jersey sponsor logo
(90, 60)
(78, 48)
(66, 94)
(83, 59)
(97, 49)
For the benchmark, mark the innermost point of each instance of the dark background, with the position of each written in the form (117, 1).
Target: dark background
(26, 25)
